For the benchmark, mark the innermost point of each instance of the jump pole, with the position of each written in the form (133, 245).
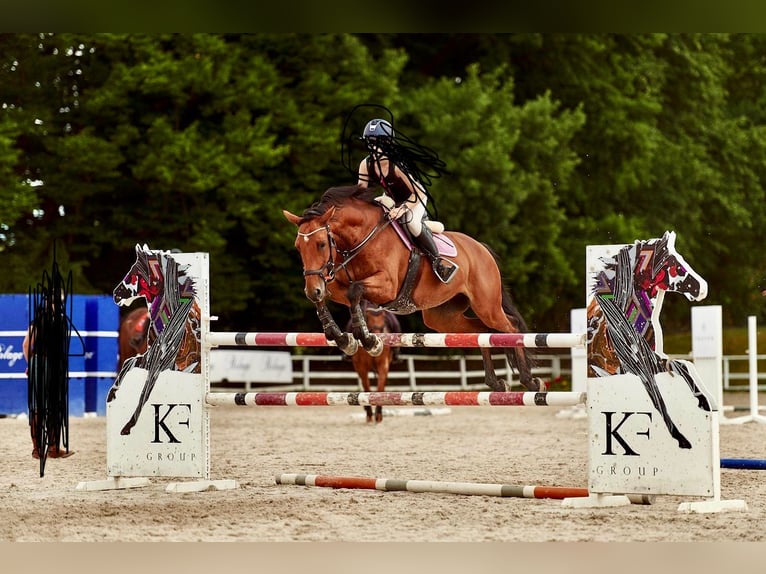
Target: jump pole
(464, 488)
(449, 398)
(743, 463)
(440, 340)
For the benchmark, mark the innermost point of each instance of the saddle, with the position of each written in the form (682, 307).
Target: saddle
(403, 304)
(443, 243)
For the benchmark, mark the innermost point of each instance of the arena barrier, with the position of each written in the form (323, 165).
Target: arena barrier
(158, 412)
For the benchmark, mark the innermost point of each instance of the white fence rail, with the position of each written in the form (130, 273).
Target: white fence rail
(329, 373)
(741, 375)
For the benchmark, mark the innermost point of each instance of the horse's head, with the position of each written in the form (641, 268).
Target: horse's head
(375, 319)
(316, 246)
(659, 267)
(145, 278)
(330, 230)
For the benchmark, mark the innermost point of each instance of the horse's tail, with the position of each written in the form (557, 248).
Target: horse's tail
(513, 314)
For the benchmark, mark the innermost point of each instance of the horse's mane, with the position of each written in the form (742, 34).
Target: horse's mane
(623, 264)
(337, 196)
(660, 246)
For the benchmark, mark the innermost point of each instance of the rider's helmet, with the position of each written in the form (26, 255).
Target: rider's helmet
(378, 129)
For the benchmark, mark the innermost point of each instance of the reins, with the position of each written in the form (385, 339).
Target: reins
(329, 269)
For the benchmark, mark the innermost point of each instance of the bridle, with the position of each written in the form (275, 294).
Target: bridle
(328, 271)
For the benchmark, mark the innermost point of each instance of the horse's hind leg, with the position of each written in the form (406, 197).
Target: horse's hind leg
(448, 318)
(518, 357)
(361, 367)
(382, 365)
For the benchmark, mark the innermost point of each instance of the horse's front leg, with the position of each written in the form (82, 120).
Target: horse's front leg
(372, 344)
(346, 343)
(130, 363)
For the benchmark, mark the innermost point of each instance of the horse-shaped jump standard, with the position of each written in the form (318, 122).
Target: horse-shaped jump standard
(351, 251)
(624, 331)
(174, 327)
(378, 321)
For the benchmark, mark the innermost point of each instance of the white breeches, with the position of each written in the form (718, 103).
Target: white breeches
(414, 219)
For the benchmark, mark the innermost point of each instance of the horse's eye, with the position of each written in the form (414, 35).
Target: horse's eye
(321, 245)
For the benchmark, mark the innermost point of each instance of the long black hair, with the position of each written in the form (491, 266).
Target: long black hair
(419, 163)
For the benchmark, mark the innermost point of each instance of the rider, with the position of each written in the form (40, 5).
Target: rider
(408, 193)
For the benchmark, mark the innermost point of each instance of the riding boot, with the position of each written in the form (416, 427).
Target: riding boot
(35, 450)
(425, 241)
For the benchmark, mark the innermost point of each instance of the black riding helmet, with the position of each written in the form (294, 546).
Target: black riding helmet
(378, 129)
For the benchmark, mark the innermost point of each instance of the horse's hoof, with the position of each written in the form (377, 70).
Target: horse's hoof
(498, 385)
(351, 346)
(376, 349)
(542, 386)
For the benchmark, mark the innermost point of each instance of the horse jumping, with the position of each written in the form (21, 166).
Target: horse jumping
(378, 321)
(351, 251)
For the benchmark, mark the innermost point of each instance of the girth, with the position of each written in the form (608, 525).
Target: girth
(403, 304)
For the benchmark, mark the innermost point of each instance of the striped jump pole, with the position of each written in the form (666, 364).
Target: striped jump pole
(465, 340)
(465, 488)
(449, 398)
(743, 463)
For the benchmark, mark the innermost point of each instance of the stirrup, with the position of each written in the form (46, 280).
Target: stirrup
(444, 273)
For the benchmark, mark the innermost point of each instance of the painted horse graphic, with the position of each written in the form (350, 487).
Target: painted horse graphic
(624, 332)
(174, 326)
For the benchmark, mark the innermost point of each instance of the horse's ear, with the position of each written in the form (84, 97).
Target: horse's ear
(671, 239)
(291, 217)
(327, 215)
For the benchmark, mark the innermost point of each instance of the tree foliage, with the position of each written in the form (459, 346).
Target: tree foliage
(553, 142)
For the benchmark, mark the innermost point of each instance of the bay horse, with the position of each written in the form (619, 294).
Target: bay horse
(378, 321)
(174, 339)
(133, 334)
(351, 251)
(623, 327)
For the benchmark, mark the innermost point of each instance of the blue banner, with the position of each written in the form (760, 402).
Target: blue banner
(93, 354)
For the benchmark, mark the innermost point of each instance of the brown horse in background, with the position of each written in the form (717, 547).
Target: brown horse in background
(132, 337)
(378, 321)
(351, 251)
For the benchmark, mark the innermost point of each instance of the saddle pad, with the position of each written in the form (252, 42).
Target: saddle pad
(443, 243)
